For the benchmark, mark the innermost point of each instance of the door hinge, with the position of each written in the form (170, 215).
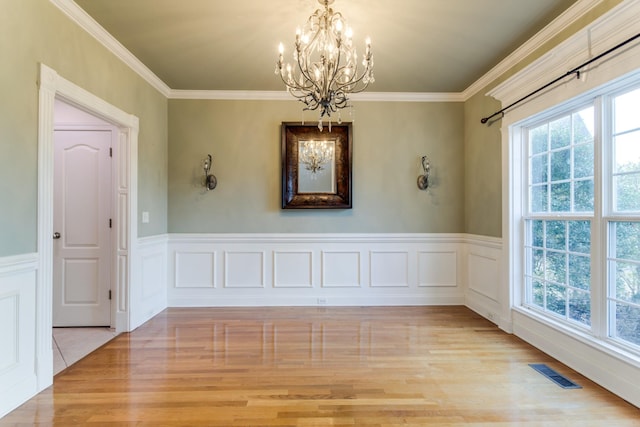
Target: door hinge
(109, 293)
(110, 152)
(110, 225)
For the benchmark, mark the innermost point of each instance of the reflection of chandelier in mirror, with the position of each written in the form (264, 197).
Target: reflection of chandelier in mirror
(315, 155)
(325, 71)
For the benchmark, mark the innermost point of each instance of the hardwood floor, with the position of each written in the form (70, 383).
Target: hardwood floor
(374, 366)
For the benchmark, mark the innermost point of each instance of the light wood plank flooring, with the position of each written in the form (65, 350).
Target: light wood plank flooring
(374, 366)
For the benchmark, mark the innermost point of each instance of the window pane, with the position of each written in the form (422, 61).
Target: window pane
(537, 267)
(561, 197)
(560, 132)
(556, 235)
(583, 161)
(539, 169)
(583, 126)
(628, 323)
(580, 306)
(583, 196)
(561, 165)
(556, 267)
(537, 233)
(626, 111)
(556, 298)
(627, 282)
(580, 272)
(539, 198)
(627, 192)
(580, 236)
(537, 293)
(627, 240)
(538, 139)
(627, 152)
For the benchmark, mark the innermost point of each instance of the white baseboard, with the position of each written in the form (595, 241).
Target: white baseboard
(590, 359)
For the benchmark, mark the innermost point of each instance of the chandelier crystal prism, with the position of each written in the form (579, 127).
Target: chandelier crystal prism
(326, 68)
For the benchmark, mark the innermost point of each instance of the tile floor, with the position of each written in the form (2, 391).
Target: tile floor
(72, 344)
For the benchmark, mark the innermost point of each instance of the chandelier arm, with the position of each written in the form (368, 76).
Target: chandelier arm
(355, 82)
(306, 75)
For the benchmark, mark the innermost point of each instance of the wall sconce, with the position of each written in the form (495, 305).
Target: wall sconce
(210, 180)
(423, 180)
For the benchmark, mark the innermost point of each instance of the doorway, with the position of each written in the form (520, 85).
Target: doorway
(53, 87)
(82, 218)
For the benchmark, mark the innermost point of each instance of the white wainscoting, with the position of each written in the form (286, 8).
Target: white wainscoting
(485, 293)
(149, 287)
(18, 379)
(315, 269)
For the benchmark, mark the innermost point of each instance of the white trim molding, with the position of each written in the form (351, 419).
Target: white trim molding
(620, 375)
(18, 378)
(315, 269)
(568, 17)
(52, 86)
(89, 25)
(604, 33)
(285, 96)
(582, 353)
(93, 28)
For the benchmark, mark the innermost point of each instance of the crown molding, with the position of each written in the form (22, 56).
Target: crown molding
(284, 96)
(568, 17)
(617, 25)
(87, 23)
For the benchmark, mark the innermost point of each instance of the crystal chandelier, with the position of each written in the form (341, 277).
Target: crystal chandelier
(325, 69)
(315, 155)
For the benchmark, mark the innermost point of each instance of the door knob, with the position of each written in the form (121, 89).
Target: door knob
(56, 235)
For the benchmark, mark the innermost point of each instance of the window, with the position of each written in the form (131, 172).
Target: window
(582, 215)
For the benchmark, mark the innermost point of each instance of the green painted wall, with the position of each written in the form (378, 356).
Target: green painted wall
(35, 31)
(244, 139)
(482, 146)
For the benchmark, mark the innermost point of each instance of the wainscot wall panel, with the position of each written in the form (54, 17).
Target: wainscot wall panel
(292, 269)
(341, 269)
(315, 269)
(18, 380)
(389, 269)
(437, 269)
(149, 296)
(195, 269)
(485, 293)
(244, 269)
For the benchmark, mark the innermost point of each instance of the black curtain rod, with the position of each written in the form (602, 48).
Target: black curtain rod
(575, 71)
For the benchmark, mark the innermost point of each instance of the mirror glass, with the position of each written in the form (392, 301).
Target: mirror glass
(316, 167)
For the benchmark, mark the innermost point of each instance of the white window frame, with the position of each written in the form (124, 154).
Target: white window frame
(518, 166)
(607, 365)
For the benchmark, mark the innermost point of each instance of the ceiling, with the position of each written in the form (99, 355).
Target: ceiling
(418, 45)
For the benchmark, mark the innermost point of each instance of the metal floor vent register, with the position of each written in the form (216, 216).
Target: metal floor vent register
(561, 380)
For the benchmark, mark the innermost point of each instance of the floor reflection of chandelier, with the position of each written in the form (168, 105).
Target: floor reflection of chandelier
(315, 155)
(325, 69)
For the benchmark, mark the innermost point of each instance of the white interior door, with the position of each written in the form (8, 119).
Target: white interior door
(82, 228)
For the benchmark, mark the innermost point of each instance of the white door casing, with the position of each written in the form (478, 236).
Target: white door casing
(82, 228)
(53, 86)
